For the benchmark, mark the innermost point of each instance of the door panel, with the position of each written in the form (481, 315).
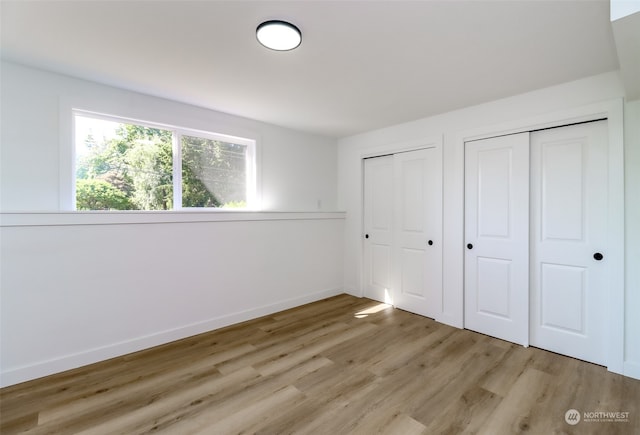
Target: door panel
(412, 274)
(418, 231)
(378, 220)
(380, 265)
(562, 200)
(411, 171)
(494, 200)
(562, 295)
(497, 237)
(569, 214)
(494, 276)
(381, 173)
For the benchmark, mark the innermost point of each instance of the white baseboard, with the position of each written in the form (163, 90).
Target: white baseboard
(353, 292)
(90, 356)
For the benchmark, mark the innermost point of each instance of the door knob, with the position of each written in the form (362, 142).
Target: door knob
(430, 242)
(598, 256)
(469, 246)
(366, 236)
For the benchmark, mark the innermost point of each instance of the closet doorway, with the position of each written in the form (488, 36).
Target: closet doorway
(536, 238)
(403, 230)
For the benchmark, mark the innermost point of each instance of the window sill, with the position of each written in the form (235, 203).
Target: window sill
(27, 219)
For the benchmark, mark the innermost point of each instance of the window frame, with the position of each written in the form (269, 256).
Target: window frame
(177, 133)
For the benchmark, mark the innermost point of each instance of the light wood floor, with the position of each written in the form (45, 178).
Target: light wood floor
(332, 367)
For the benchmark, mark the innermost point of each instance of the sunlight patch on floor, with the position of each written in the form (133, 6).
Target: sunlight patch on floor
(371, 310)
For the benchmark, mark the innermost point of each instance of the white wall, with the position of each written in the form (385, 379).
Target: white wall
(498, 115)
(632, 245)
(296, 170)
(74, 294)
(76, 288)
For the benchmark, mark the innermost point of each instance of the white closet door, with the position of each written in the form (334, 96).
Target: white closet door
(497, 237)
(569, 219)
(378, 221)
(418, 231)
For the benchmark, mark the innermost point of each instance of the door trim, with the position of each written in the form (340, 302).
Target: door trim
(612, 110)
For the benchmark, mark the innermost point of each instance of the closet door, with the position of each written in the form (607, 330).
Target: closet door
(418, 231)
(568, 238)
(378, 221)
(496, 271)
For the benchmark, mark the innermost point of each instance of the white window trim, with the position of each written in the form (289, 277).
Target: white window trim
(68, 159)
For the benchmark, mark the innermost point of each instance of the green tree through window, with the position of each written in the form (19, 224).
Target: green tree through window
(212, 166)
(131, 168)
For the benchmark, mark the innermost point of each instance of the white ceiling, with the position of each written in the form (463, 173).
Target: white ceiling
(362, 65)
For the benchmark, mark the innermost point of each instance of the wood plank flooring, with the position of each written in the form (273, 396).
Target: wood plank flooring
(338, 366)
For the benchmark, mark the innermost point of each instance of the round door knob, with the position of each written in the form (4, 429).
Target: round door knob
(469, 246)
(366, 236)
(430, 242)
(598, 256)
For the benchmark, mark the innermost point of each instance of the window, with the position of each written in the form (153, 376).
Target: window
(127, 165)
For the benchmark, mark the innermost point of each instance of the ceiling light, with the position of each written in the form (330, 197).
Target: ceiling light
(278, 35)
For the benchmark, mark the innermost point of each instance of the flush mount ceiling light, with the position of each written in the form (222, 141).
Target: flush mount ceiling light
(278, 35)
